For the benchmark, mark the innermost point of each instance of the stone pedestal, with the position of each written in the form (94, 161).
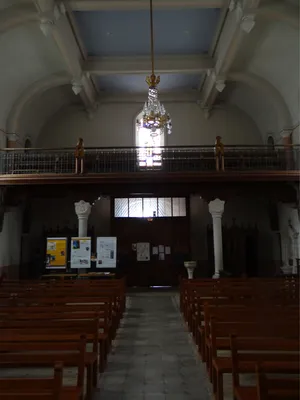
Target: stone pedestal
(190, 267)
(216, 208)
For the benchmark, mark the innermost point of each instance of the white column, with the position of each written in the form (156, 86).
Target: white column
(10, 242)
(216, 208)
(83, 210)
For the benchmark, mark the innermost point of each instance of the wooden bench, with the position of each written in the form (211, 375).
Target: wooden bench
(90, 328)
(34, 354)
(38, 389)
(242, 313)
(250, 350)
(221, 331)
(277, 387)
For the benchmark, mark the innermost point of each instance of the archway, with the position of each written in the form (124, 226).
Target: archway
(27, 144)
(149, 144)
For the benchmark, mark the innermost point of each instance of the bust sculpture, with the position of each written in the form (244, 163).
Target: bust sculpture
(79, 156)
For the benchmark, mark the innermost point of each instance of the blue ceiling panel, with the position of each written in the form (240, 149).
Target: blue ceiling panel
(137, 83)
(127, 33)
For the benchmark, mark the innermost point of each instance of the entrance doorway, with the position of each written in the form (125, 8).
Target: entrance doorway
(163, 240)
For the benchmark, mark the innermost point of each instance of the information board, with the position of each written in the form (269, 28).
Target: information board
(56, 253)
(81, 252)
(106, 252)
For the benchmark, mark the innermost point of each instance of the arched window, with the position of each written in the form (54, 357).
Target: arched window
(150, 144)
(270, 141)
(27, 144)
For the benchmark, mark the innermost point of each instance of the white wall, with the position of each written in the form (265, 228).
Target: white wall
(113, 125)
(26, 57)
(277, 60)
(38, 111)
(262, 111)
(10, 242)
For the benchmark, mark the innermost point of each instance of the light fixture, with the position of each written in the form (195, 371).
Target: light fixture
(155, 117)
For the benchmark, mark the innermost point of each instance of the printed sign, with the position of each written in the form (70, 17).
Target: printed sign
(106, 252)
(56, 253)
(81, 252)
(143, 251)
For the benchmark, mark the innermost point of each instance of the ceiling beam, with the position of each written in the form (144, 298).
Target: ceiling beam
(239, 23)
(55, 24)
(190, 64)
(191, 96)
(102, 5)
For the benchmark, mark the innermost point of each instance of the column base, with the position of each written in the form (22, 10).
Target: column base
(287, 270)
(216, 275)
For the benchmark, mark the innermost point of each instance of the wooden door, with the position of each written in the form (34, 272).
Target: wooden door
(171, 233)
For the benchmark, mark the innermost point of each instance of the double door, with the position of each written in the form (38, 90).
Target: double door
(168, 242)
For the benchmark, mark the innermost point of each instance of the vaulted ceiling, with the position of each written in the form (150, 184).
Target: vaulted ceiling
(100, 48)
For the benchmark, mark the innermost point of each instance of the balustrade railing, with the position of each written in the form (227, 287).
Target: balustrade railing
(164, 159)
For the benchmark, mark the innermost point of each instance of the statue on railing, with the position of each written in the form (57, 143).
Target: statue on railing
(79, 156)
(219, 153)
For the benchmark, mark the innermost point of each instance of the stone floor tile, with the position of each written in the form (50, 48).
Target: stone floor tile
(153, 357)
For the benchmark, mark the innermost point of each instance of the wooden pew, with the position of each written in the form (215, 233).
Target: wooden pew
(277, 387)
(247, 351)
(243, 313)
(37, 389)
(34, 354)
(35, 312)
(90, 328)
(32, 348)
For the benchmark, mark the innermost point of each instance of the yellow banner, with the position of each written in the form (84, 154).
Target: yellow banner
(56, 253)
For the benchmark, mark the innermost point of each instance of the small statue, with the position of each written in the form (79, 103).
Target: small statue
(219, 153)
(79, 156)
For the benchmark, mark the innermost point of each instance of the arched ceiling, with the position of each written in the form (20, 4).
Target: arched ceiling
(199, 45)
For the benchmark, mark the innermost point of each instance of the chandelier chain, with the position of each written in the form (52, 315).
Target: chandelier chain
(152, 35)
(155, 116)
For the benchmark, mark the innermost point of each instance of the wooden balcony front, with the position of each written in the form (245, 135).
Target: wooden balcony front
(165, 164)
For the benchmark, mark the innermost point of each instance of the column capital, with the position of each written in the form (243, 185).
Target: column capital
(82, 209)
(13, 137)
(216, 207)
(285, 133)
(77, 85)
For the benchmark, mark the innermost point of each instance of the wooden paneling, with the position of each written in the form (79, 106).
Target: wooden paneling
(148, 177)
(172, 232)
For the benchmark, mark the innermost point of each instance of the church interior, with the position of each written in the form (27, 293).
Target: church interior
(149, 189)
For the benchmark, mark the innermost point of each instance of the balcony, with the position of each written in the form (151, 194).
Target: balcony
(18, 164)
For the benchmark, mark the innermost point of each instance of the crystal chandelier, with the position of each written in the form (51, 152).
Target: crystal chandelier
(155, 116)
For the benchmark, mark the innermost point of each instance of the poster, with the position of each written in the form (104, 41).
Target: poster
(106, 252)
(161, 256)
(81, 252)
(56, 253)
(161, 248)
(143, 251)
(155, 251)
(168, 250)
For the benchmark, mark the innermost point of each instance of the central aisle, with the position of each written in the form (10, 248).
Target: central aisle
(154, 357)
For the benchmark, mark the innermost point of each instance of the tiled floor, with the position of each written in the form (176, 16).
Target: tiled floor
(154, 357)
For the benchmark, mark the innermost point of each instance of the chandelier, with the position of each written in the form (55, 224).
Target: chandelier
(155, 116)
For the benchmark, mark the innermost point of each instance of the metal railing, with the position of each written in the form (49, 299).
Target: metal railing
(164, 159)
